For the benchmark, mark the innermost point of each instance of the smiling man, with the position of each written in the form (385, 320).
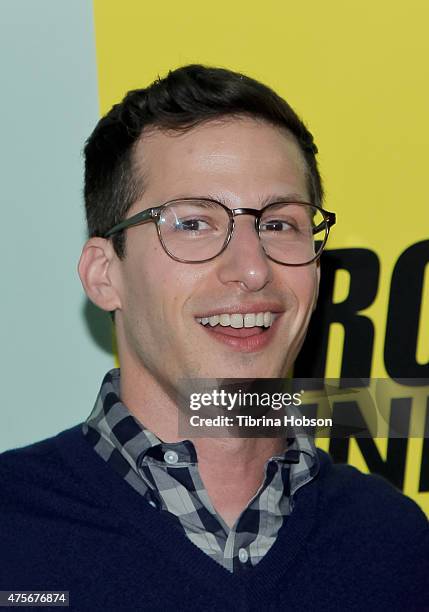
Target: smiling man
(204, 209)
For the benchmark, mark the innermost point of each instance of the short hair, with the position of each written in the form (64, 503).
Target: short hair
(186, 97)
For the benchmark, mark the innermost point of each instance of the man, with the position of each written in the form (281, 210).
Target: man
(204, 209)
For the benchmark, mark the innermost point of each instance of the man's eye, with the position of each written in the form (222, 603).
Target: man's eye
(192, 225)
(276, 225)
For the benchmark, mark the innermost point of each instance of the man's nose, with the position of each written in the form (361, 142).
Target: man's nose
(244, 260)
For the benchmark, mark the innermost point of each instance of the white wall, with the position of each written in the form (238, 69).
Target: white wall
(54, 352)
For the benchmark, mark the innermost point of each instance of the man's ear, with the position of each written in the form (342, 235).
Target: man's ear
(96, 273)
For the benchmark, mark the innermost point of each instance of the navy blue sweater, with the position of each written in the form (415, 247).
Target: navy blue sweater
(68, 522)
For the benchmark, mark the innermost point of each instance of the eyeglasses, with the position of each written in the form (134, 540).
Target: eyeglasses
(195, 230)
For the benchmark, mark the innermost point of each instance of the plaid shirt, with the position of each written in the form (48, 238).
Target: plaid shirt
(167, 476)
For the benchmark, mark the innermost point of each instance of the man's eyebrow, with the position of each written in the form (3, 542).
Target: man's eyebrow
(290, 197)
(262, 200)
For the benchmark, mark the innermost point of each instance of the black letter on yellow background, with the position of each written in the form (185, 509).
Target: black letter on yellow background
(403, 315)
(363, 266)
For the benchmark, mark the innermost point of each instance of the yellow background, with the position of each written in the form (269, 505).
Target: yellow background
(356, 71)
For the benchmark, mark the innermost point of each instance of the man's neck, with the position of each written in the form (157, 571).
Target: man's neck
(232, 469)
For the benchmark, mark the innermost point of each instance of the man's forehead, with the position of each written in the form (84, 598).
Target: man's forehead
(220, 151)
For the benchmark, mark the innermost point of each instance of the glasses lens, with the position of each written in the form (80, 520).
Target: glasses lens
(193, 230)
(293, 233)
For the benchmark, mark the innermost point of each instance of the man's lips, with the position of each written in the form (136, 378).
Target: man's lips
(246, 340)
(242, 332)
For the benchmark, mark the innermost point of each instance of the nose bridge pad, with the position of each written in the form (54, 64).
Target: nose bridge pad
(257, 219)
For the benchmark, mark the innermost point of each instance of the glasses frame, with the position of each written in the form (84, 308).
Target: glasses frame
(154, 214)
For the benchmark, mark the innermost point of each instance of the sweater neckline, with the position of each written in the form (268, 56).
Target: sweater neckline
(115, 494)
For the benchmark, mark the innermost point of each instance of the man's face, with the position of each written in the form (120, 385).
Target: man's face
(243, 163)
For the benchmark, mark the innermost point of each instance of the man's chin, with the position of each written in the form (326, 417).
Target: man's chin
(242, 370)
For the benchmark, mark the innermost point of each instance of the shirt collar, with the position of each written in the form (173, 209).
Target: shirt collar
(123, 431)
(115, 423)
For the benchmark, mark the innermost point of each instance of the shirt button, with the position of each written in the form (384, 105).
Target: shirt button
(243, 555)
(171, 457)
(152, 503)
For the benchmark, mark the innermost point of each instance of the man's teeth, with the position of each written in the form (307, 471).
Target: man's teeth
(250, 319)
